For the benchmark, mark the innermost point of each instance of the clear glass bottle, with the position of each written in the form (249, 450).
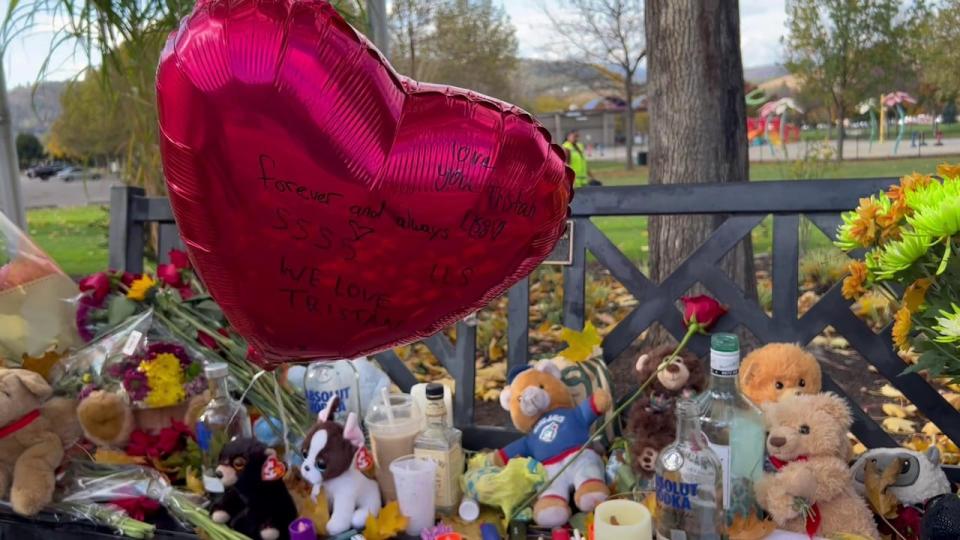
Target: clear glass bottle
(734, 427)
(223, 420)
(689, 483)
(325, 379)
(441, 443)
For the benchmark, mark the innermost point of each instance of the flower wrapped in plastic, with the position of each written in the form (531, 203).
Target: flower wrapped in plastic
(140, 359)
(87, 482)
(36, 313)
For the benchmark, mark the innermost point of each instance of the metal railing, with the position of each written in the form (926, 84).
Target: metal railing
(743, 207)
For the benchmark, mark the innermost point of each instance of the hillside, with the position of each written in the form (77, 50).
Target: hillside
(34, 111)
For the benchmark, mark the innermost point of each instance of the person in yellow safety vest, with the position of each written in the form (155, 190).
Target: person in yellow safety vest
(577, 161)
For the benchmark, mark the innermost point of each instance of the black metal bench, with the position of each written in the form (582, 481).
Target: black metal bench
(744, 206)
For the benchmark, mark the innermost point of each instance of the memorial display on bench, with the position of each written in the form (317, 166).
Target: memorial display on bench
(333, 209)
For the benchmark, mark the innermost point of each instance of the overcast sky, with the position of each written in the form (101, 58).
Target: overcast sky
(761, 25)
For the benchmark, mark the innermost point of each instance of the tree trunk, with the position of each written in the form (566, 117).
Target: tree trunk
(841, 135)
(629, 120)
(697, 122)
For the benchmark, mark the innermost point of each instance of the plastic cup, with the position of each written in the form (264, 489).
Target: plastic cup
(392, 431)
(416, 483)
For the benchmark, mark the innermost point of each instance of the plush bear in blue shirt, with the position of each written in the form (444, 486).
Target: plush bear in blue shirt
(541, 406)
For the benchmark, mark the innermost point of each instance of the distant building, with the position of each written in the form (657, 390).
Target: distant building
(599, 121)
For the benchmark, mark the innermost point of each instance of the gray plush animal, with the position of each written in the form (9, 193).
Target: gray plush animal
(920, 478)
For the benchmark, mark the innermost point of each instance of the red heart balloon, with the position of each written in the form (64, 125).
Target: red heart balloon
(332, 207)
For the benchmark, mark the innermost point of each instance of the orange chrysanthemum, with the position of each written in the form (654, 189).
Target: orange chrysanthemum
(853, 285)
(902, 324)
(916, 294)
(909, 183)
(947, 170)
(864, 228)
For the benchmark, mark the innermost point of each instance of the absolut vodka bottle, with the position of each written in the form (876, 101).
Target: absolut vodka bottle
(734, 427)
(689, 483)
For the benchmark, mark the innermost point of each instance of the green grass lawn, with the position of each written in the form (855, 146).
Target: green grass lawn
(75, 237)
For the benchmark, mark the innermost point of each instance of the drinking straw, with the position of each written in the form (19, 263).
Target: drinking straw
(386, 403)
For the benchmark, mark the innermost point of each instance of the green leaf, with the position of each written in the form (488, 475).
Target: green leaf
(946, 259)
(932, 361)
(119, 309)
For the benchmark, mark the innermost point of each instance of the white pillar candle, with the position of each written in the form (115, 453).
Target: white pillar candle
(622, 520)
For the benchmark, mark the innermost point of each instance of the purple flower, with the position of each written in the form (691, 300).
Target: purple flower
(162, 347)
(85, 306)
(195, 387)
(85, 391)
(135, 383)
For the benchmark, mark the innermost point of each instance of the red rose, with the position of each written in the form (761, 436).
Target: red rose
(208, 341)
(142, 444)
(170, 274)
(98, 283)
(703, 310)
(179, 259)
(128, 278)
(137, 507)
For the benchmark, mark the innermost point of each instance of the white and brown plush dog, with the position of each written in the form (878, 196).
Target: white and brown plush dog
(334, 458)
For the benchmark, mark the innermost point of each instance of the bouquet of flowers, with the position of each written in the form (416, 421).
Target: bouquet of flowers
(36, 316)
(180, 302)
(910, 237)
(86, 482)
(142, 359)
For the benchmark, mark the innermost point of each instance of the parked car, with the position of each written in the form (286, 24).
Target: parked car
(44, 172)
(69, 174)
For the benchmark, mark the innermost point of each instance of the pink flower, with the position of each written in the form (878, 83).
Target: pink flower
(179, 259)
(170, 274)
(702, 310)
(98, 284)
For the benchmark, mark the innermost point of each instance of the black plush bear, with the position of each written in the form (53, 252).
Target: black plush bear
(255, 501)
(942, 520)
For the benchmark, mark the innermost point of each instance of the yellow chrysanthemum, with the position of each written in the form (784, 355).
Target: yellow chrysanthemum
(165, 379)
(902, 324)
(916, 294)
(946, 170)
(853, 285)
(140, 288)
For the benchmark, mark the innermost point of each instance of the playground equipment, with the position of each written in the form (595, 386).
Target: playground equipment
(895, 100)
(870, 106)
(779, 109)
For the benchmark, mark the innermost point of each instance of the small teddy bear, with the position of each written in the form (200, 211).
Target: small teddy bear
(807, 446)
(541, 406)
(255, 501)
(779, 369)
(651, 423)
(34, 430)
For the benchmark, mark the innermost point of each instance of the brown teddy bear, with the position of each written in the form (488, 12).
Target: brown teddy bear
(541, 406)
(107, 418)
(33, 437)
(808, 448)
(778, 369)
(651, 423)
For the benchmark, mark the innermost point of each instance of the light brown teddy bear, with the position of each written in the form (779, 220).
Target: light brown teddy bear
(807, 444)
(32, 440)
(108, 419)
(541, 406)
(779, 369)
